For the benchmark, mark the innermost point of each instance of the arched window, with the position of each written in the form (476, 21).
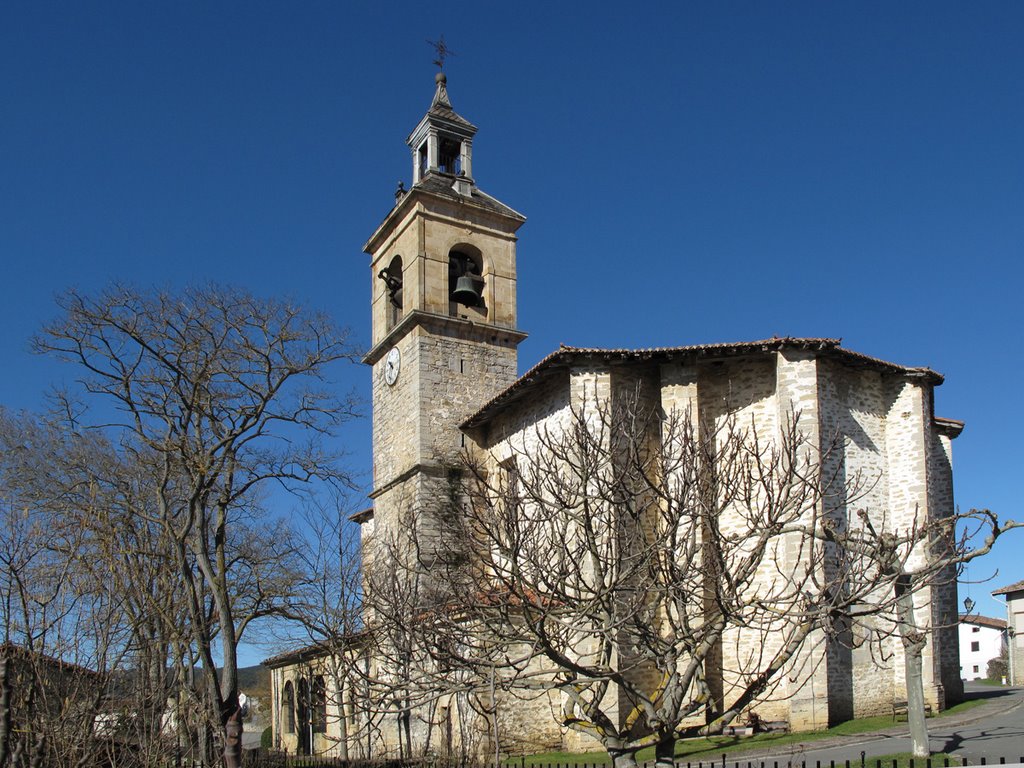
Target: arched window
(288, 708)
(465, 280)
(318, 705)
(302, 710)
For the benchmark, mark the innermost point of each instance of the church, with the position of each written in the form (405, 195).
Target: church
(445, 384)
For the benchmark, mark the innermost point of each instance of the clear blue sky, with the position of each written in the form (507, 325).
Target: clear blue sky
(691, 173)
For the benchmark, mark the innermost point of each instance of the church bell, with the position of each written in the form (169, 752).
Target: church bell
(466, 291)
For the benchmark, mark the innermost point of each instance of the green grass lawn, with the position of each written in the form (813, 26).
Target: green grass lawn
(694, 750)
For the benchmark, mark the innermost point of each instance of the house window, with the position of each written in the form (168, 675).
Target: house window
(975, 668)
(975, 629)
(975, 646)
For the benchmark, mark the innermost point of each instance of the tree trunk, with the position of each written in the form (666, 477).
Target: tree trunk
(232, 719)
(38, 752)
(5, 707)
(913, 648)
(622, 758)
(665, 753)
(342, 725)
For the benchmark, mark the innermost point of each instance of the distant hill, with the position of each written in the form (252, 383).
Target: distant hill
(255, 681)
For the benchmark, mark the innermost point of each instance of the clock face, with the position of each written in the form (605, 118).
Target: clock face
(391, 365)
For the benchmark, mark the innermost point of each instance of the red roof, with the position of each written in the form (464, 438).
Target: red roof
(982, 621)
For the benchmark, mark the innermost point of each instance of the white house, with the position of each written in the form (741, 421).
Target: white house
(981, 639)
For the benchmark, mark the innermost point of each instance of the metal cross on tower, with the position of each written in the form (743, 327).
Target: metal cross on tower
(442, 50)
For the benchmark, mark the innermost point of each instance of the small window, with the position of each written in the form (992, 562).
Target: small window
(975, 629)
(975, 646)
(975, 667)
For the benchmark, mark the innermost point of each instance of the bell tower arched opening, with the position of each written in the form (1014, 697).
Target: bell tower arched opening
(466, 283)
(393, 278)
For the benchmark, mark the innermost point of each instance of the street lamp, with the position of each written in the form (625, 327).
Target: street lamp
(969, 604)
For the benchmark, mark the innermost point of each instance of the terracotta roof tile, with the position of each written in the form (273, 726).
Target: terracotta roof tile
(982, 621)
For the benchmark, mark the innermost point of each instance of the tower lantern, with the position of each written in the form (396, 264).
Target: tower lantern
(443, 142)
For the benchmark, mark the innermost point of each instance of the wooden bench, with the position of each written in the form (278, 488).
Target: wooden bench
(765, 726)
(899, 709)
(738, 730)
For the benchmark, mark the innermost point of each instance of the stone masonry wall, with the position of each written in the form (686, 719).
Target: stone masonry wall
(945, 603)
(443, 380)
(855, 404)
(739, 395)
(634, 407)
(807, 683)
(529, 721)
(872, 429)
(908, 425)
(456, 377)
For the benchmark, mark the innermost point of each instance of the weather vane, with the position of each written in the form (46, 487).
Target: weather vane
(442, 50)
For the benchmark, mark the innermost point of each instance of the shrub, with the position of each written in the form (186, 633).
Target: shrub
(997, 667)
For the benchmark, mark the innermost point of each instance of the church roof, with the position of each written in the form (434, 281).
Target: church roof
(565, 357)
(315, 651)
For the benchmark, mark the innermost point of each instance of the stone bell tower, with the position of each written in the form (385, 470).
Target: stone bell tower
(443, 287)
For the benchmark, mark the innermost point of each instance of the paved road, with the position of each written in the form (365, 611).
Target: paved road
(992, 730)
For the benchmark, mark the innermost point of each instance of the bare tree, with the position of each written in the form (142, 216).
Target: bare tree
(216, 394)
(66, 635)
(422, 676)
(327, 609)
(896, 566)
(608, 561)
(654, 575)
